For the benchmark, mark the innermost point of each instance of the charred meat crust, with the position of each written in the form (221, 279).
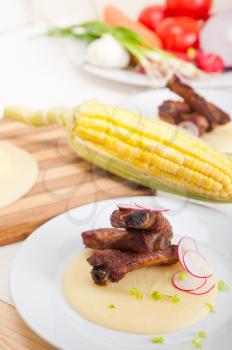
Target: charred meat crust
(120, 239)
(113, 265)
(141, 220)
(214, 115)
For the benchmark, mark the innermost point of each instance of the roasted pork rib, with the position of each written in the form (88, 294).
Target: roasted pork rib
(113, 265)
(141, 220)
(119, 239)
(214, 115)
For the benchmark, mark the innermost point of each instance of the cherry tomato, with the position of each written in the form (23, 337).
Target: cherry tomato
(152, 15)
(198, 9)
(178, 33)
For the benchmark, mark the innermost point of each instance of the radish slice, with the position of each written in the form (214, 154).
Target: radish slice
(127, 207)
(191, 128)
(206, 288)
(185, 244)
(197, 265)
(151, 209)
(190, 283)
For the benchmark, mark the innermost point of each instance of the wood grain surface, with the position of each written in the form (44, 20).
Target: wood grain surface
(65, 181)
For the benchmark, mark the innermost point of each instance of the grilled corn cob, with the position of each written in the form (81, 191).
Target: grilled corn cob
(147, 151)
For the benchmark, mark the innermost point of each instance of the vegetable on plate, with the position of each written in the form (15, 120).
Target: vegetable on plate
(216, 37)
(115, 18)
(198, 9)
(144, 150)
(197, 275)
(152, 15)
(107, 52)
(178, 33)
(158, 64)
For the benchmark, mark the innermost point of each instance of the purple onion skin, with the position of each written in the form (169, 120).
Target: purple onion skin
(216, 36)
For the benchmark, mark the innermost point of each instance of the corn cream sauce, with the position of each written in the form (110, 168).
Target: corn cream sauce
(18, 173)
(145, 316)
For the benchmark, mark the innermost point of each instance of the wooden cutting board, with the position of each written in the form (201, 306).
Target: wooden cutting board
(65, 181)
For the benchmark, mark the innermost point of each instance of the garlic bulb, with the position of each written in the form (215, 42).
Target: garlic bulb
(107, 52)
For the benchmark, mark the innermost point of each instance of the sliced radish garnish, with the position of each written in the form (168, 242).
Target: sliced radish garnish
(189, 283)
(127, 207)
(191, 128)
(185, 244)
(196, 264)
(158, 210)
(206, 288)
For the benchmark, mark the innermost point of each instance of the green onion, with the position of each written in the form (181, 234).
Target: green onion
(182, 276)
(156, 63)
(175, 298)
(158, 340)
(223, 287)
(202, 334)
(137, 293)
(199, 338)
(210, 307)
(156, 295)
(111, 306)
(197, 342)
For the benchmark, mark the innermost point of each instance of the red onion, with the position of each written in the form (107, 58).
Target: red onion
(139, 207)
(158, 210)
(216, 36)
(191, 128)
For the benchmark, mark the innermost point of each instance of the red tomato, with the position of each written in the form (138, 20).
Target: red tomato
(152, 15)
(178, 33)
(198, 9)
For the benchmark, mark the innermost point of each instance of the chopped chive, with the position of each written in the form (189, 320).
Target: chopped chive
(182, 276)
(133, 291)
(210, 307)
(202, 334)
(175, 298)
(156, 295)
(198, 343)
(158, 340)
(111, 306)
(137, 293)
(222, 286)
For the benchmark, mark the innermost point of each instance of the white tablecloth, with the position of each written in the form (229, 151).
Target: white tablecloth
(35, 71)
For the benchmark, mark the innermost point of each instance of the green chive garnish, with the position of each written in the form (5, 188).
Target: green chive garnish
(176, 299)
(137, 293)
(197, 342)
(223, 287)
(210, 307)
(202, 334)
(111, 306)
(156, 295)
(182, 276)
(199, 338)
(158, 340)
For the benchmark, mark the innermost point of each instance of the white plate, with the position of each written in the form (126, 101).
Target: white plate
(36, 278)
(77, 54)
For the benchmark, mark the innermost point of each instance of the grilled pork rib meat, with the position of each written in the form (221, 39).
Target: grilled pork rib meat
(141, 220)
(214, 115)
(113, 265)
(119, 239)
